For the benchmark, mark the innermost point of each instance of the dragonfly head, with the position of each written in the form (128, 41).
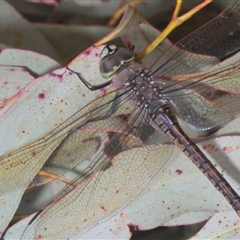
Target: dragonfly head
(113, 58)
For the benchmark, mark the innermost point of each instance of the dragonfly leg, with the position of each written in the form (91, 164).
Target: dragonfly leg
(87, 84)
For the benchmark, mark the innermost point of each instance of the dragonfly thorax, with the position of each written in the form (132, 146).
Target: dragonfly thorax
(121, 66)
(142, 85)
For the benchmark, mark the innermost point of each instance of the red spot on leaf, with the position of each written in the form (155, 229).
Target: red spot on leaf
(228, 149)
(178, 171)
(87, 53)
(41, 95)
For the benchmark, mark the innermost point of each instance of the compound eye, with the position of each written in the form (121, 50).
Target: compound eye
(113, 58)
(108, 66)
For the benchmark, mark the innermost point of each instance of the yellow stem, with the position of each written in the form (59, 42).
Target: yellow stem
(175, 22)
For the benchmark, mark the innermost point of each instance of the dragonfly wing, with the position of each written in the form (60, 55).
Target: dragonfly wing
(219, 38)
(19, 167)
(114, 177)
(205, 97)
(208, 100)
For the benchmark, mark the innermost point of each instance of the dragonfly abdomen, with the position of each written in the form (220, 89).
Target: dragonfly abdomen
(168, 124)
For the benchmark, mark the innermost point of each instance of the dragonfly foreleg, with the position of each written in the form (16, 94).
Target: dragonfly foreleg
(87, 84)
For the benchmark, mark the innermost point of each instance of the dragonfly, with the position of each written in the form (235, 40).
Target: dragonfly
(139, 119)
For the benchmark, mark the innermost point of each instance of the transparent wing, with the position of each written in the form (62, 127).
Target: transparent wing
(129, 159)
(205, 95)
(207, 100)
(34, 155)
